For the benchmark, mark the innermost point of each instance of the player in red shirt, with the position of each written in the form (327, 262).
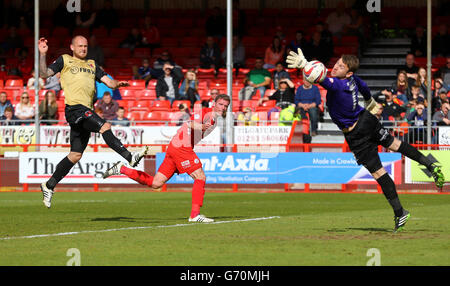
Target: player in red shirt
(181, 158)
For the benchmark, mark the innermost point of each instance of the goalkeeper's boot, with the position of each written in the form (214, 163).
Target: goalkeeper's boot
(114, 170)
(47, 194)
(136, 157)
(200, 218)
(400, 221)
(438, 176)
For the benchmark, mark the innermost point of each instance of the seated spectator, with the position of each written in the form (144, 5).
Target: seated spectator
(391, 107)
(167, 84)
(402, 85)
(284, 95)
(216, 24)
(422, 81)
(247, 92)
(438, 87)
(158, 64)
(189, 88)
(238, 54)
(308, 99)
(31, 80)
(279, 73)
(120, 119)
(95, 52)
(410, 68)
(48, 108)
(317, 49)
(338, 20)
(259, 77)
(4, 102)
(213, 93)
(108, 106)
(247, 118)
(419, 42)
(280, 34)
(442, 117)
(107, 17)
(24, 109)
(8, 117)
(288, 115)
(441, 42)
(444, 74)
(299, 42)
(99, 112)
(54, 83)
(418, 119)
(133, 40)
(210, 55)
(185, 114)
(150, 35)
(438, 102)
(274, 53)
(325, 36)
(144, 72)
(86, 18)
(101, 88)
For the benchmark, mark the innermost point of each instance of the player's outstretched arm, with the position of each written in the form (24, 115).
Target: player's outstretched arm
(44, 71)
(296, 60)
(112, 83)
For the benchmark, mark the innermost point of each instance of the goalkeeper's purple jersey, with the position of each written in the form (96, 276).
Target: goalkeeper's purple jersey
(342, 99)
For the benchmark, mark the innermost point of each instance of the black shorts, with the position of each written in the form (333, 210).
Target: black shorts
(364, 139)
(82, 121)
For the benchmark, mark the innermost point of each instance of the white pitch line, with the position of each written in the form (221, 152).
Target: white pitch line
(135, 227)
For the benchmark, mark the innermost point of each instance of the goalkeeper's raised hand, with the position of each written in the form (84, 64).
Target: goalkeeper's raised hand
(296, 60)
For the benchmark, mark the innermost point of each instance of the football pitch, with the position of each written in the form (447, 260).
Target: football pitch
(251, 229)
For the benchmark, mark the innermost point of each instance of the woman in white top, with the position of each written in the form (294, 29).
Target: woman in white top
(24, 109)
(31, 80)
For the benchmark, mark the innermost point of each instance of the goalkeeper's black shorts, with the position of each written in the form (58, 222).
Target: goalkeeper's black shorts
(364, 139)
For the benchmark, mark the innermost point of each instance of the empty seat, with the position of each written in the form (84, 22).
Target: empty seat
(161, 105)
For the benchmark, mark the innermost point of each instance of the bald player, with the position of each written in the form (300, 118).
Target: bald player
(78, 76)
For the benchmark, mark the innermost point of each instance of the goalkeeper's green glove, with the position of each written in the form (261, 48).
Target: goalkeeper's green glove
(372, 106)
(296, 60)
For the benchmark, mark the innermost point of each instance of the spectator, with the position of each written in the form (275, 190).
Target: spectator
(338, 20)
(213, 93)
(299, 42)
(24, 109)
(438, 87)
(8, 117)
(158, 64)
(401, 86)
(326, 36)
(150, 35)
(284, 95)
(247, 92)
(62, 17)
(107, 17)
(415, 93)
(27, 15)
(216, 24)
(101, 88)
(189, 88)
(4, 102)
(280, 34)
(86, 18)
(288, 115)
(239, 20)
(238, 54)
(278, 74)
(317, 49)
(185, 114)
(392, 108)
(13, 41)
(410, 68)
(247, 118)
(31, 80)
(48, 108)
(274, 53)
(109, 106)
(133, 40)
(441, 42)
(167, 84)
(95, 52)
(54, 83)
(308, 99)
(210, 55)
(120, 119)
(144, 72)
(419, 42)
(259, 77)
(422, 81)
(418, 119)
(442, 117)
(99, 112)
(438, 101)
(444, 74)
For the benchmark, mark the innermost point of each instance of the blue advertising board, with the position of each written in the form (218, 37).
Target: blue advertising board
(292, 167)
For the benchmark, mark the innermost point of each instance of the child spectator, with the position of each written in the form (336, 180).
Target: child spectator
(120, 119)
(8, 117)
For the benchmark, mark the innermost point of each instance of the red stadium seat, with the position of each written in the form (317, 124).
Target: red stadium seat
(191, 41)
(147, 94)
(128, 94)
(142, 52)
(176, 103)
(137, 84)
(154, 118)
(248, 103)
(135, 115)
(161, 105)
(14, 84)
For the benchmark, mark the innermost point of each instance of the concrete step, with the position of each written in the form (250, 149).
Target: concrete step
(382, 61)
(327, 126)
(328, 139)
(396, 42)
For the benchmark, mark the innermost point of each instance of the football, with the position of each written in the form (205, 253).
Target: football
(314, 72)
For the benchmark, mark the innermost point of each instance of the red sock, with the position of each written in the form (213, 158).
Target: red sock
(198, 193)
(139, 176)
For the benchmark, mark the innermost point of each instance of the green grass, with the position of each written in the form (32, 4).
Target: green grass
(312, 229)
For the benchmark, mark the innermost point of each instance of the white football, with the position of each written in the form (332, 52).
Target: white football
(315, 72)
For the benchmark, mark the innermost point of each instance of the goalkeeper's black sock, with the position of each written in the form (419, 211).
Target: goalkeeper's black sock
(116, 145)
(390, 192)
(414, 154)
(62, 169)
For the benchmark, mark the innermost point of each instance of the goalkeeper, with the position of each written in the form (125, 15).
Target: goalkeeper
(362, 130)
